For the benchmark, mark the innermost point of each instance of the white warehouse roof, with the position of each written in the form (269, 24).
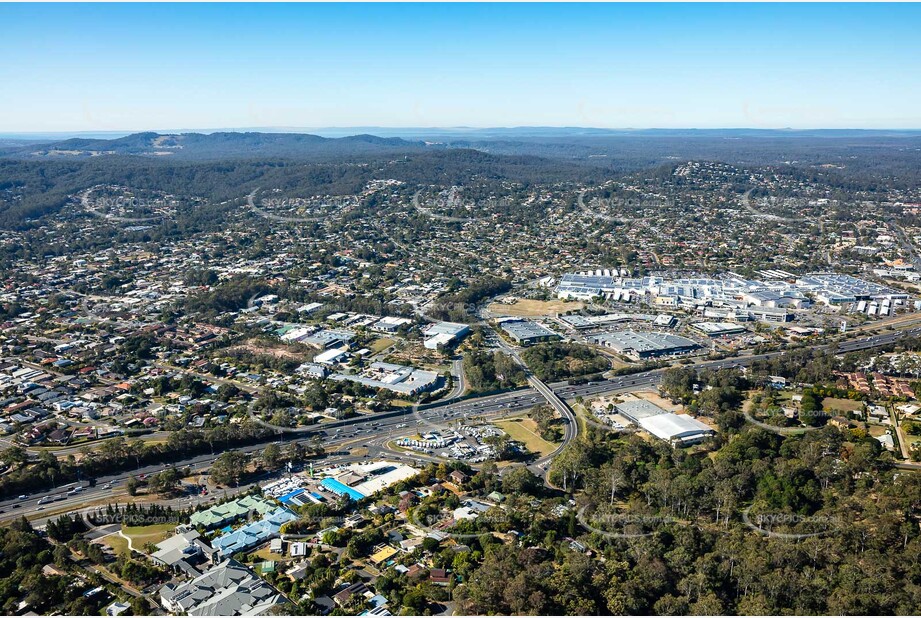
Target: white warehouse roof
(675, 428)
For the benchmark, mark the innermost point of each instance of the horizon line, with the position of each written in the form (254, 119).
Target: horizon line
(12, 134)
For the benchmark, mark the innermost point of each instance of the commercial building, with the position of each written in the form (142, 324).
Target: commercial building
(718, 329)
(727, 290)
(643, 345)
(771, 314)
(665, 321)
(525, 332)
(833, 288)
(341, 489)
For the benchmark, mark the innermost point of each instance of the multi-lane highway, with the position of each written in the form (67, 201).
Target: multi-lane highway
(377, 429)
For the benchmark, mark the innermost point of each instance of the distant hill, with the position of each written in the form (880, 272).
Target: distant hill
(216, 146)
(614, 149)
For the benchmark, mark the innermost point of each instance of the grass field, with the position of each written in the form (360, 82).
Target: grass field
(379, 345)
(117, 543)
(142, 535)
(527, 308)
(526, 431)
(844, 405)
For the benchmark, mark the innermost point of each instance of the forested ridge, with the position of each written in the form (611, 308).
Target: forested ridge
(31, 189)
(689, 533)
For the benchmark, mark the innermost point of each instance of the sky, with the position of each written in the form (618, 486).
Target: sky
(131, 67)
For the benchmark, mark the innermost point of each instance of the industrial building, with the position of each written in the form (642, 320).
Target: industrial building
(331, 338)
(390, 324)
(643, 345)
(331, 357)
(638, 409)
(397, 378)
(444, 334)
(676, 429)
(525, 332)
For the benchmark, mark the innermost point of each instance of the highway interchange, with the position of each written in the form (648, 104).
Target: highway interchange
(376, 431)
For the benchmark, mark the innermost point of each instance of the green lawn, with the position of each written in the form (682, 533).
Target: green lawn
(117, 543)
(141, 535)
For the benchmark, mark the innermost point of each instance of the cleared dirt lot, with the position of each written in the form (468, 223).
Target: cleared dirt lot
(527, 308)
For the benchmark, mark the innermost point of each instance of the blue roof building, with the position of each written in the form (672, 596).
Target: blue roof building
(255, 533)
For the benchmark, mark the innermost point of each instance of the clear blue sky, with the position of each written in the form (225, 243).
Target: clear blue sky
(69, 67)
